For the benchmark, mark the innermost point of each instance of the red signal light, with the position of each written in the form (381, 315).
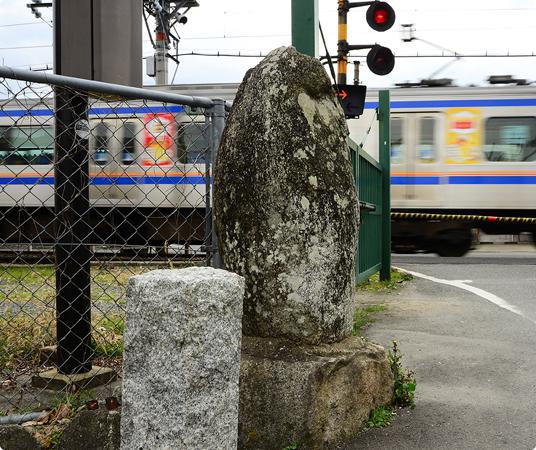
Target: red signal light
(380, 16)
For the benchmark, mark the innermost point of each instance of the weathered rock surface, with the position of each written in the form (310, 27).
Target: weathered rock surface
(15, 437)
(316, 396)
(93, 430)
(182, 360)
(285, 202)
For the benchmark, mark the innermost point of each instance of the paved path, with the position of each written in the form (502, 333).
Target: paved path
(475, 365)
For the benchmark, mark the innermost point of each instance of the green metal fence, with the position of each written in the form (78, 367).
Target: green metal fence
(373, 185)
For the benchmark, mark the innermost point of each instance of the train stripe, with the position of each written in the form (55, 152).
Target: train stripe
(401, 179)
(127, 110)
(103, 180)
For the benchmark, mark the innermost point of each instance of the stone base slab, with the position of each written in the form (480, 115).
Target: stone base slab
(51, 379)
(318, 397)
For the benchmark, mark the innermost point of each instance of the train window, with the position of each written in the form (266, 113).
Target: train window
(101, 138)
(398, 144)
(129, 143)
(426, 150)
(26, 145)
(191, 143)
(510, 139)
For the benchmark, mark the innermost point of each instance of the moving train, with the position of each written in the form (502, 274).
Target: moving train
(457, 151)
(454, 150)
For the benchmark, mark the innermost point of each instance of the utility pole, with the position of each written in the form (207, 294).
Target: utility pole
(160, 58)
(167, 14)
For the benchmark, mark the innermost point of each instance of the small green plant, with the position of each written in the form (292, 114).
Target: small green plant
(381, 417)
(292, 446)
(405, 383)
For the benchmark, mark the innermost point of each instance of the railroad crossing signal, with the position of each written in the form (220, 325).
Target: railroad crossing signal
(380, 17)
(352, 97)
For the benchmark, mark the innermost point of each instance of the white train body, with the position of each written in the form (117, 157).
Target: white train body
(455, 150)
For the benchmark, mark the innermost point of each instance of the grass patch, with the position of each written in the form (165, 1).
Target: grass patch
(373, 283)
(22, 334)
(363, 317)
(107, 336)
(28, 312)
(403, 393)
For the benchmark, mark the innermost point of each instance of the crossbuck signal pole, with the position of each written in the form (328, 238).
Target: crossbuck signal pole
(342, 54)
(380, 60)
(380, 17)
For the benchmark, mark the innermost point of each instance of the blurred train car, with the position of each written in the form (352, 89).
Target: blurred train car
(457, 150)
(147, 174)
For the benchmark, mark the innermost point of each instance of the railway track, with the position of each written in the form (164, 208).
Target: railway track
(45, 255)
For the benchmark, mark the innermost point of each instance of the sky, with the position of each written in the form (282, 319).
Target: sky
(471, 28)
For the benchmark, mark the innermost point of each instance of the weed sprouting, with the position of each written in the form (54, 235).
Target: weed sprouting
(405, 383)
(380, 417)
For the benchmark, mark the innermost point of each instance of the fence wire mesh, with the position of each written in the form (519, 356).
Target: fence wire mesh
(122, 192)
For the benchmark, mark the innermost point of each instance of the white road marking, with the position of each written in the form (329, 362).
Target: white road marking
(480, 292)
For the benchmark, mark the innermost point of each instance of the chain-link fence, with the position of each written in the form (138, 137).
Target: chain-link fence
(94, 188)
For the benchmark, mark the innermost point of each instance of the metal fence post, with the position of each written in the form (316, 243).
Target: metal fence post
(384, 116)
(305, 26)
(218, 115)
(71, 180)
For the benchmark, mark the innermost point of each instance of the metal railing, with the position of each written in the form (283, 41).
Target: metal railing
(97, 183)
(373, 185)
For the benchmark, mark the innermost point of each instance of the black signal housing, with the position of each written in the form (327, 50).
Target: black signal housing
(380, 60)
(380, 16)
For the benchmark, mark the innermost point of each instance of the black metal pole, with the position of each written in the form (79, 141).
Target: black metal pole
(71, 203)
(71, 179)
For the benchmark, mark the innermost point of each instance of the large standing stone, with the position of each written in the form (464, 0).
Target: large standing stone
(286, 204)
(182, 360)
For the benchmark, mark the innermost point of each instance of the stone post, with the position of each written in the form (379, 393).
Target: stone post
(182, 360)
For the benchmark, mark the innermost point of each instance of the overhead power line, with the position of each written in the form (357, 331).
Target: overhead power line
(24, 24)
(26, 48)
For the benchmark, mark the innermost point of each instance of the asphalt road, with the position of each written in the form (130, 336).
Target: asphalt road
(471, 345)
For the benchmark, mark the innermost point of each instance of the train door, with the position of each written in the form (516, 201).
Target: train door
(102, 163)
(113, 151)
(416, 159)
